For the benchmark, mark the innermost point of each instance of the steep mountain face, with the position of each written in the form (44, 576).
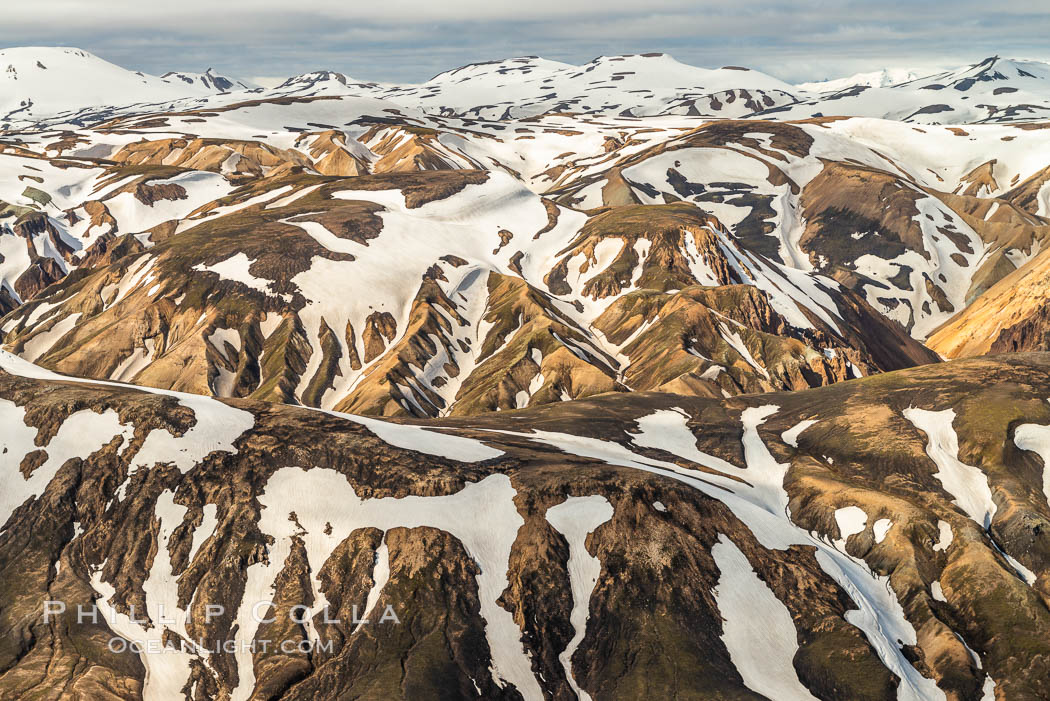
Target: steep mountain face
(1009, 317)
(58, 214)
(62, 191)
(852, 199)
(318, 291)
(888, 533)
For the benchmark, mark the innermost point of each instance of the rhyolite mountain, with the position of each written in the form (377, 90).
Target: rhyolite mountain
(616, 380)
(407, 263)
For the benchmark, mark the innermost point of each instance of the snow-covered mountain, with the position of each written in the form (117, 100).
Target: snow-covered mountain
(630, 85)
(883, 78)
(40, 82)
(992, 90)
(85, 89)
(209, 80)
(635, 85)
(845, 229)
(592, 367)
(991, 75)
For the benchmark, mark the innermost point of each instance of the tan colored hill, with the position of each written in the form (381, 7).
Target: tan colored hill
(1011, 316)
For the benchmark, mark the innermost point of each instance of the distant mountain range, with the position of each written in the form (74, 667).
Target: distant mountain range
(41, 82)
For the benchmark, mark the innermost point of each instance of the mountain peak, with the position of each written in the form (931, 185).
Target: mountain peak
(625, 57)
(43, 81)
(519, 65)
(883, 78)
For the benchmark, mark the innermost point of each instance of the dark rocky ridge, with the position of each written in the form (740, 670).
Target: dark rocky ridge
(654, 628)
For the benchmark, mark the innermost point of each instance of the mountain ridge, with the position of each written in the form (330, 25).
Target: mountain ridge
(916, 597)
(646, 85)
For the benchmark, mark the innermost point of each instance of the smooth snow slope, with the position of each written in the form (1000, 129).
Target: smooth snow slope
(46, 81)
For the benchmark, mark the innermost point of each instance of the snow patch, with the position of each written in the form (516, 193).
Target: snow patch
(482, 516)
(851, 520)
(235, 268)
(1036, 438)
(945, 536)
(757, 628)
(576, 518)
(791, 435)
(881, 528)
(967, 484)
(937, 592)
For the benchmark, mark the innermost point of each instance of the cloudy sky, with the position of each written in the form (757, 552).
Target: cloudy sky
(410, 40)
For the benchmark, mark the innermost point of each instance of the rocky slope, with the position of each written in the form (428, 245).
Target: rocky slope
(325, 292)
(880, 538)
(496, 268)
(1009, 317)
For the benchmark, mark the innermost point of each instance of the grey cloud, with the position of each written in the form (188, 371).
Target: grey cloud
(410, 40)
